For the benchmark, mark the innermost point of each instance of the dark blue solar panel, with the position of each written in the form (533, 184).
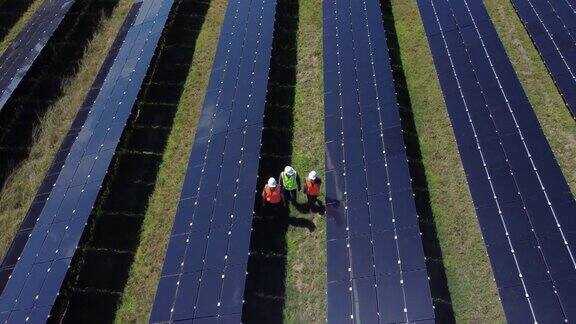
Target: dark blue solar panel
(21, 54)
(43, 264)
(517, 186)
(376, 265)
(205, 266)
(550, 24)
(54, 171)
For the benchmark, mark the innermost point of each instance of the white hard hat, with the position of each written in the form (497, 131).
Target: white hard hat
(289, 170)
(271, 182)
(312, 175)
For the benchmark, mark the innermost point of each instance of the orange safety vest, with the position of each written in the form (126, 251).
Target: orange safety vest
(312, 187)
(273, 196)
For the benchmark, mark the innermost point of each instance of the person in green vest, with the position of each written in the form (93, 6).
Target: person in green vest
(290, 181)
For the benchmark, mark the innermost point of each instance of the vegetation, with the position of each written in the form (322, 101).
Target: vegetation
(305, 300)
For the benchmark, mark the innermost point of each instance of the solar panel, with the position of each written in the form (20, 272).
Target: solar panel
(376, 265)
(39, 201)
(35, 282)
(205, 266)
(21, 54)
(552, 26)
(523, 203)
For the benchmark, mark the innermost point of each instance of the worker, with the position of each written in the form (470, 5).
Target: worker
(312, 190)
(272, 194)
(290, 181)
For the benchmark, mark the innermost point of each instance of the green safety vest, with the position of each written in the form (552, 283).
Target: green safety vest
(289, 182)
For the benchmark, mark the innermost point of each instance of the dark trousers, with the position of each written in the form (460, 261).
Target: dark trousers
(290, 195)
(312, 200)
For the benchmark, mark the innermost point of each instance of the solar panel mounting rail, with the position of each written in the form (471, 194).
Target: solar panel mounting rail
(376, 263)
(523, 204)
(552, 26)
(204, 271)
(36, 280)
(17, 245)
(23, 51)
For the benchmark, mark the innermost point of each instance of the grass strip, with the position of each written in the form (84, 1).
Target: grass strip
(470, 281)
(20, 189)
(305, 300)
(18, 26)
(554, 117)
(140, 290)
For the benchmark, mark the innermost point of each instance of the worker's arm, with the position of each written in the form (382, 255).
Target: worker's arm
(264, 196)
(280, 182)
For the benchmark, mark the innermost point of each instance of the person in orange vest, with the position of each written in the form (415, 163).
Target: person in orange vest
(272, 194)
(312, 189)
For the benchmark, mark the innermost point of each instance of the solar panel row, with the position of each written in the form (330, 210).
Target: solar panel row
(29, 221)
(552, 27)
(523, 203)
(20, 56)
(10, 13)
(204, 270)
(38, 275)
(376, 264)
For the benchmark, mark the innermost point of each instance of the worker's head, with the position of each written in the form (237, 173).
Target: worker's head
(272, 183)
(312, 175)
(289, 171)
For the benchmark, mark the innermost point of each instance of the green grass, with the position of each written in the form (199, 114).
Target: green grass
(140, 290)
(18, 26)
(470, 281)
(305, 300)
(20, 189)
(554, 117)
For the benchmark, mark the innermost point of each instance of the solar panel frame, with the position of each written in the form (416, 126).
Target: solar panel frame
(550, 25)
(495, 184)
(372, 229)
(53, 172)
(70, 202)
(205, 267)
(25, 48)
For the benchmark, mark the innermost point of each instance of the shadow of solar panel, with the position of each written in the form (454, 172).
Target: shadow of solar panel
(204, 270)
(61, 222)
(372, 225)
(516, 184)
(550, 24)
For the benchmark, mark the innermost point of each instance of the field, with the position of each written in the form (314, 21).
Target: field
(115, 271)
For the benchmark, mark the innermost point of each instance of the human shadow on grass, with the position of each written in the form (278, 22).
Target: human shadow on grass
(265, 283)
(435, 265)
(101, 267)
